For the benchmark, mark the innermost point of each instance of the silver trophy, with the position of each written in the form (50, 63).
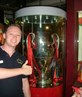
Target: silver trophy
(44, 54)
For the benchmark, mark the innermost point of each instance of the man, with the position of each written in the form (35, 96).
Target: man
(13, 66)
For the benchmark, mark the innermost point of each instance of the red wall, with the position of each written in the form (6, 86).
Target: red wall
(71, 45)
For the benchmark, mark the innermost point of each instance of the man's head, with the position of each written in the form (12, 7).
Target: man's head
(12, 35)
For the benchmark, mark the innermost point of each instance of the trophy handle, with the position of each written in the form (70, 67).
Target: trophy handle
(55, 38)
(32, 40)
(30, 55)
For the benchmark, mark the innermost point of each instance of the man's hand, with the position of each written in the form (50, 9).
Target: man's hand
(27, 70)
(78, 94)
(80, 91)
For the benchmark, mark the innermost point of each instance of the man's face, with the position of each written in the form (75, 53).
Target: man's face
(12, 36)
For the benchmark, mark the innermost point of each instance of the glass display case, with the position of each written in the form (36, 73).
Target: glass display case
(43, 43)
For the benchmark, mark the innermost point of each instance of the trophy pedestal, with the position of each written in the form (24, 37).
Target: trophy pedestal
(47, 92)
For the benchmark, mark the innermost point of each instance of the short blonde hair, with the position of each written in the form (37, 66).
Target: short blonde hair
(15, 25)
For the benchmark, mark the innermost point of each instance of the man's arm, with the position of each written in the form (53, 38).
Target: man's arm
(26, 88)
(24, 70)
